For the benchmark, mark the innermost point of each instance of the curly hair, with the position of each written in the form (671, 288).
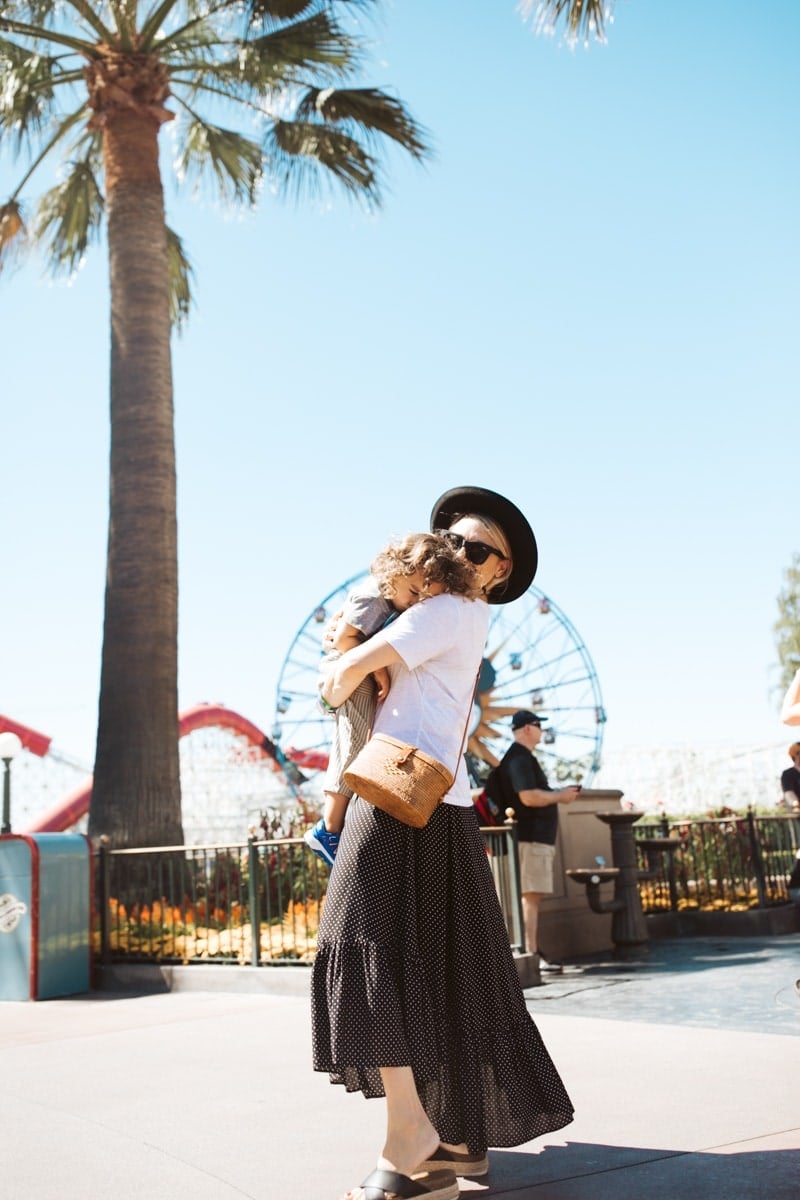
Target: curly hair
(431, 555)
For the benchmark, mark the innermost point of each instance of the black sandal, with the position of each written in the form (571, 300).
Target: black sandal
(427, 1185)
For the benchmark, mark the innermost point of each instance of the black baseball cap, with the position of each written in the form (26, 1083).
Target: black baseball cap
(524, 717)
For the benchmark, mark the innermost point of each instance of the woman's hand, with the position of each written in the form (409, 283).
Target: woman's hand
(354, 666)
(329, 633)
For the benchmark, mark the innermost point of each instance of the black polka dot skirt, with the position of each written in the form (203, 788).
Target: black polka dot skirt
(414, 968)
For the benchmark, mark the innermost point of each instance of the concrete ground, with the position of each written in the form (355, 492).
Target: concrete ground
(683, 1069)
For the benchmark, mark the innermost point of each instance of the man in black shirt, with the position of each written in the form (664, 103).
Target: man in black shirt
(790, 780)
(526, 790)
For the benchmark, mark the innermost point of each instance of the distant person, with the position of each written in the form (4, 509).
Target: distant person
(790, 712)
(523, 786)
(405, 572)
(790, 780)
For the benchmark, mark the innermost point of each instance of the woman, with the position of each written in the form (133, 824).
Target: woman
(415, 992)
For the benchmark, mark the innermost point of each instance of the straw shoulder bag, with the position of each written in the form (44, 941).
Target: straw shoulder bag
(399, 778)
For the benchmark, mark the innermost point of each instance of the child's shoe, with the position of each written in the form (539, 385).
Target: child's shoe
(322, 842)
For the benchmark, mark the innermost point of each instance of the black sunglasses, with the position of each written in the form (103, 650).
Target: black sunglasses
(474, 552)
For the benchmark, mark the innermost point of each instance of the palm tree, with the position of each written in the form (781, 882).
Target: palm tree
(582, 19)
(94, 81)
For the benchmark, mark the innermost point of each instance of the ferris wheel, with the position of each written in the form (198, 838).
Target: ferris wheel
(534, 658)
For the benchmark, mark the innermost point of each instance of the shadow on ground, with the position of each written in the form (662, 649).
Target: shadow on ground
(580, 1171)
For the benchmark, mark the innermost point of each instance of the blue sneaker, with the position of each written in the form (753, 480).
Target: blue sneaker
(323, 843)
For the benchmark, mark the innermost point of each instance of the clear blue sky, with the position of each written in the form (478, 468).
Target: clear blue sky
(588, 300)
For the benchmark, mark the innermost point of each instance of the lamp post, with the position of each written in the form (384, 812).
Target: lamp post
(10, 745)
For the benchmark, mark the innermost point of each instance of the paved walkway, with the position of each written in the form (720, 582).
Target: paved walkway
(683, 1069)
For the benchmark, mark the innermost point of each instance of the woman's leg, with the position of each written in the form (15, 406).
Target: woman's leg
(410, 1136)
(408, 1128)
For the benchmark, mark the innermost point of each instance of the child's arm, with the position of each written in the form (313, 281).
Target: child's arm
(345, 637)
(382, 682)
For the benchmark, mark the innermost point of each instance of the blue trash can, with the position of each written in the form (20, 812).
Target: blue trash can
(45, 915)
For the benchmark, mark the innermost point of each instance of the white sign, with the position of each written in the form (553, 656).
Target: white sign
(11, 909)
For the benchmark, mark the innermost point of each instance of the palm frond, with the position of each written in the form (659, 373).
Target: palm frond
(36, 11)
(373, 111)
(46, 13)
(316, 42)
(302, 154)
(152, 23)
(260, 65)
(289, 10)
(90, 146)
(59, 134)
(280, 10)
(582, 19)
(26, 97)
(234, 160)
(180, 280)
(13, 234)
(42, 33)
(89, 14)
(69, 216)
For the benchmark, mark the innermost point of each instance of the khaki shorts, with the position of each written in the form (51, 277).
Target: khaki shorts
(536, 867)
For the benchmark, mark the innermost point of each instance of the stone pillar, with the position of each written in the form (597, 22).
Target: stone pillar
(567, 926)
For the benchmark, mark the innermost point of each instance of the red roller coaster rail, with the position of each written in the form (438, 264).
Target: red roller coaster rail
(68, 811)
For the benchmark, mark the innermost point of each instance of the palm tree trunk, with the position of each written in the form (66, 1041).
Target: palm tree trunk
(136, 796)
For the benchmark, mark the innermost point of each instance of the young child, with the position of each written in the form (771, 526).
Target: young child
(405, 572)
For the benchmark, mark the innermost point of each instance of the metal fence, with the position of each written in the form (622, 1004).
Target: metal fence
(251, 903)
(724, 864)
(258, 902)
(248, 903)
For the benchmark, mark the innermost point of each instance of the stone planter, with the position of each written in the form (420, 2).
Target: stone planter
(755, 922)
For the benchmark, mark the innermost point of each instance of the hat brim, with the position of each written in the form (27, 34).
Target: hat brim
(480, 501)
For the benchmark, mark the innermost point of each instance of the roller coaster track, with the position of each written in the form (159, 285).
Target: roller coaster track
(75, 805)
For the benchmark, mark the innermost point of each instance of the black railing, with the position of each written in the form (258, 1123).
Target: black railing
(258, 902)
(254, 902)
(725, 864)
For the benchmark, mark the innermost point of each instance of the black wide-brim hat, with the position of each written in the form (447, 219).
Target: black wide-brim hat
(480, 501)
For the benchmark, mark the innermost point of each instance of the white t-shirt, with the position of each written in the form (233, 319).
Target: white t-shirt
(440, 641)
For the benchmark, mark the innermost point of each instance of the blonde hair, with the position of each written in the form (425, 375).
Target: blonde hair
(431, 555)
